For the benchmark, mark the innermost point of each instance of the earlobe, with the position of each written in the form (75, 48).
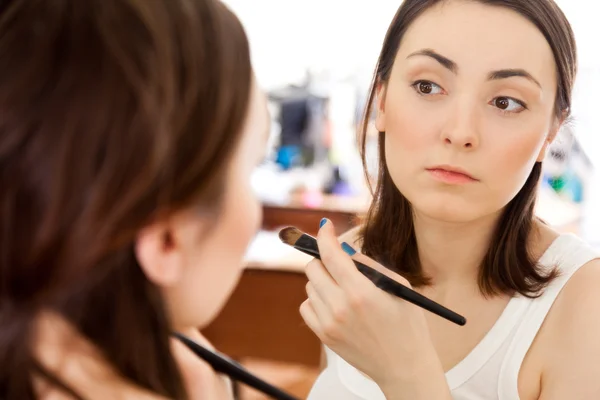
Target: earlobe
(159, 255)
(380, 109)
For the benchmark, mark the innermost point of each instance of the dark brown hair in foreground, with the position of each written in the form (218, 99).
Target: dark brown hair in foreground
(112, 113)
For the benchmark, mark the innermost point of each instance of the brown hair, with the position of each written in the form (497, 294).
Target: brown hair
(388, 232)
(112, 113)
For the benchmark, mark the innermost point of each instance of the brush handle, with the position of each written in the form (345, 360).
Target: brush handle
(223, 365)
(395, 288)
(308, 245)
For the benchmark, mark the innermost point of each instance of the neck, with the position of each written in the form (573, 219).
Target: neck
(451, 252)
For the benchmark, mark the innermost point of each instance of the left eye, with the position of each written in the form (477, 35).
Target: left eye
(508, 104)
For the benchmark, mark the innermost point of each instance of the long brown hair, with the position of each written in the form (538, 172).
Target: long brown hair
(112, 113)
(388, 232)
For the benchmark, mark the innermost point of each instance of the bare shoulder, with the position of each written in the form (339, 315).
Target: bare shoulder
(352, 237)
(581, 291)
(578, 305)
(571, 331)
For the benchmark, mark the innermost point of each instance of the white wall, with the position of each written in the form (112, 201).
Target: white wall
(583, 16)
(288, 36)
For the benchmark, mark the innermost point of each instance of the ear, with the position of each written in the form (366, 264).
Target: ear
(159, 254)
(380, 94)
(556, 125)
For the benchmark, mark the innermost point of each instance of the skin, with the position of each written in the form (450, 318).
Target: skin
(463, 119)
(196, 262)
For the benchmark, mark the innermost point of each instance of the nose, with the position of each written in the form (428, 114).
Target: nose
(460, 130)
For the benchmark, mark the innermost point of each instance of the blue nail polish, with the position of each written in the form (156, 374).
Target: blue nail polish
(323, 222)
(348, 249)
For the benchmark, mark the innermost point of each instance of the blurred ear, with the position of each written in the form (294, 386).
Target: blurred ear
(160, 254)
(380, 107)
(556, 126)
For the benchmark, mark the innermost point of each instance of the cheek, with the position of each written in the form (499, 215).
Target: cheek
(512, 157)
(215, 265)
(246, 216)
(409, 136)
(407, 130)
(241, 217)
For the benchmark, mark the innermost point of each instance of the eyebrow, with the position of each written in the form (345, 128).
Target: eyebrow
(510, 73)
(492, 76)
(446, 62)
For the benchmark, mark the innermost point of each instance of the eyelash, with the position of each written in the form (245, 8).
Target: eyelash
(415, 86)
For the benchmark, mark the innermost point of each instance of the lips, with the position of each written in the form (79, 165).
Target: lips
(452, 170)
(451, 175)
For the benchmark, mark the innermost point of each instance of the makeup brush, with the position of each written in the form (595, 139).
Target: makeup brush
(226, 366)
(307, 244)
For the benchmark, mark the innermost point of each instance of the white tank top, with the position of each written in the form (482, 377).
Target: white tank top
(491, 370)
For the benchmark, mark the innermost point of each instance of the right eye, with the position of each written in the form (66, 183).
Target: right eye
(426, 88)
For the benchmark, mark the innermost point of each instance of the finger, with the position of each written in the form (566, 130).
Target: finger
(320, 308)
(322, 282)
(335, 260)
(310, 318)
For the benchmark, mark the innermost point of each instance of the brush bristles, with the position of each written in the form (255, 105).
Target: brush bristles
(290, 235)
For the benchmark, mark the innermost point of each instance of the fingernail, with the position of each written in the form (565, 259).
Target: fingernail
(348, 249)
(323, 222)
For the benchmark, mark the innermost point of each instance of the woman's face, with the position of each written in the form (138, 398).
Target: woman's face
(472, 90)
(199, 265)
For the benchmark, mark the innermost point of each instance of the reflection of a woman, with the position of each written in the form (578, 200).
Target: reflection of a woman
(468, 97)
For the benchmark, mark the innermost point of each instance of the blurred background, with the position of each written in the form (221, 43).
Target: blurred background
(315, 58)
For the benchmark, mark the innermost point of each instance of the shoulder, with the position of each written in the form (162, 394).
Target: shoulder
(352, 237)
(571, 337)
(580, 295)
